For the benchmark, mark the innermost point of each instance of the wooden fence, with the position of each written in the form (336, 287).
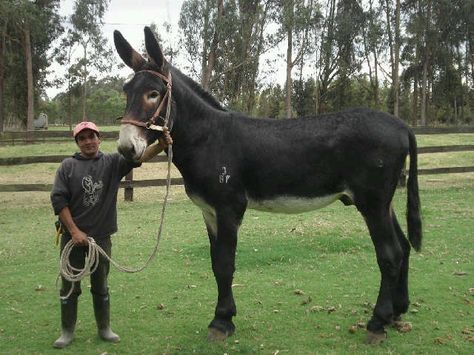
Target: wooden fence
(31, 137)
(129, 184)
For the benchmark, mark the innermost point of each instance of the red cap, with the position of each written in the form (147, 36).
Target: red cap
(84, 125)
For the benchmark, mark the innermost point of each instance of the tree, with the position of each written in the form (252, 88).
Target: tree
(27, 29)
(349, 22)
(86, 35)
(299, 23)
(305, 104)
(326, 68)
(228, 37)
(392, 15)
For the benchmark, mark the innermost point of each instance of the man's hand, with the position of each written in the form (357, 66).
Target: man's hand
(79, 238)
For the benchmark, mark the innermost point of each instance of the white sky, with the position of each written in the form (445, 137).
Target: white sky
(129, 17)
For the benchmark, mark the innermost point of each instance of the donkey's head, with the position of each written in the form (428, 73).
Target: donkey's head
(148, 96)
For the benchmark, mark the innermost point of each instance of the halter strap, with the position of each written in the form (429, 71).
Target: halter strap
(151, 123)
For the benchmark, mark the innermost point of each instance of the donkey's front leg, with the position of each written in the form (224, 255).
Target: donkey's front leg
(223, 245)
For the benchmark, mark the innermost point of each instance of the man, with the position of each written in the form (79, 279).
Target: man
(84, 196)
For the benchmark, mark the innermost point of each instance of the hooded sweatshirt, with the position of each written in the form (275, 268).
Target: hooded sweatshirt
(89, 188)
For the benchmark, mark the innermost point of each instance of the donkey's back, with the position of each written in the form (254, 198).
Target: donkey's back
(308, 163)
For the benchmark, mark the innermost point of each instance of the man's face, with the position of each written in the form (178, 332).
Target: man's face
(88, 142)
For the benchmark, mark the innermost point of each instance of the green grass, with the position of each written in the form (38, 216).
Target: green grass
(327, 255)
(425, 140)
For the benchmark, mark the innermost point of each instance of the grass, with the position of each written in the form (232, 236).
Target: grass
(301, 282)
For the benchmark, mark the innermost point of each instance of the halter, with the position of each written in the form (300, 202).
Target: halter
(151, 123)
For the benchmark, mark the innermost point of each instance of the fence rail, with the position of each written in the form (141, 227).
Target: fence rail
(30, 137)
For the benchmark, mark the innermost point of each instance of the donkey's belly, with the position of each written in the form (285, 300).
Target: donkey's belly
(294, 204)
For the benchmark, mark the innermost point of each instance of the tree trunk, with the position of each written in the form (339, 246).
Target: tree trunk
(424, 94)
(29, 76)
(205, 41)
(396, 64)
(391, 45)
(289, 67)
(327, 58)
(261, 39)
(211, 59)
(69, 107)
(415, 103)
(84, 83)
(289, 57)
(371, 49)
(2, 77)
(426, 60)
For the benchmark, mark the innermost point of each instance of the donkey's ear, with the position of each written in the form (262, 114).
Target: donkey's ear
(153, 48)
(129, 55)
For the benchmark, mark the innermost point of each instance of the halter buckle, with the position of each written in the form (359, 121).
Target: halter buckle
(154, 127)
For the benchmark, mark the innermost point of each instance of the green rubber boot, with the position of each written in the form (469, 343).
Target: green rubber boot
(68, 322)
(102, 317)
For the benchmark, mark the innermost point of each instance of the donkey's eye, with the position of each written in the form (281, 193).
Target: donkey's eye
(154, 95)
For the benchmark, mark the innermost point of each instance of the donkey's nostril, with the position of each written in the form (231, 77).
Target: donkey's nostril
(128, 153)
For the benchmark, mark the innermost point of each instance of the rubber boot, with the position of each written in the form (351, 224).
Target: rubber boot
(68, 322)
(102, 317)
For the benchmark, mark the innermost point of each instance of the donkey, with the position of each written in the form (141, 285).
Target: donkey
(230, 162)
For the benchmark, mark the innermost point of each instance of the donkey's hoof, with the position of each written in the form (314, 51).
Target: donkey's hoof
(216, 335)
(375, 338)
(219, 330)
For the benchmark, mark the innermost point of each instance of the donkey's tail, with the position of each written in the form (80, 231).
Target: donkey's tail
(415, 234)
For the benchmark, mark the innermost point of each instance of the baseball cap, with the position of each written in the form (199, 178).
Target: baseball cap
(84, 125)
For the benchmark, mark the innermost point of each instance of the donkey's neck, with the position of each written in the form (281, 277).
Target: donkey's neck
(195, 119)
(198, 114)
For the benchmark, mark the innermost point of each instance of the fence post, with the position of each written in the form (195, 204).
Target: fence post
(128, 190)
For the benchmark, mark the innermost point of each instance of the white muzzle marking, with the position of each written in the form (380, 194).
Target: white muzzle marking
(132, 142)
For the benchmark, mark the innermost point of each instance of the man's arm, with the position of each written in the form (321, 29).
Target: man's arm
(78, 236)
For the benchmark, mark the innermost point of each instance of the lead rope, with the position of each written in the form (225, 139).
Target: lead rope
(91, 262)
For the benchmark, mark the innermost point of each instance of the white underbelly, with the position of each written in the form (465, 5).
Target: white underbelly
(280, 204)
(294, 204)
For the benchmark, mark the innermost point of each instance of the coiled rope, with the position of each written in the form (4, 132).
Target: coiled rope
(91, 262)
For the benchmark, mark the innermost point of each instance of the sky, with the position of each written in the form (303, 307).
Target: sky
(129, 17)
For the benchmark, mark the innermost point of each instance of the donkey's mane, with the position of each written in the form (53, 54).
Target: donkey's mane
(197, 89)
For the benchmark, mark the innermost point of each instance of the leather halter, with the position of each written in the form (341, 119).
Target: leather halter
(151, 123)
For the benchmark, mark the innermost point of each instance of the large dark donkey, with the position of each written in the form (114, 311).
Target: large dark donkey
(230, 162)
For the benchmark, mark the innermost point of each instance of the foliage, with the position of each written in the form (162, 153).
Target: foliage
(331, 54)
(105, 102)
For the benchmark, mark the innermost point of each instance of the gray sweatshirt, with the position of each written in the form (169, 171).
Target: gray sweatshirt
(89, 188)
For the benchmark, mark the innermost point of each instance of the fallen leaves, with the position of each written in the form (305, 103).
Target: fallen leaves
(443, 340)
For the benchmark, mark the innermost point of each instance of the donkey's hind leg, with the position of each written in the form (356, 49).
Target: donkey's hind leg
(389, 258)
(223, 247)
(400, 294)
